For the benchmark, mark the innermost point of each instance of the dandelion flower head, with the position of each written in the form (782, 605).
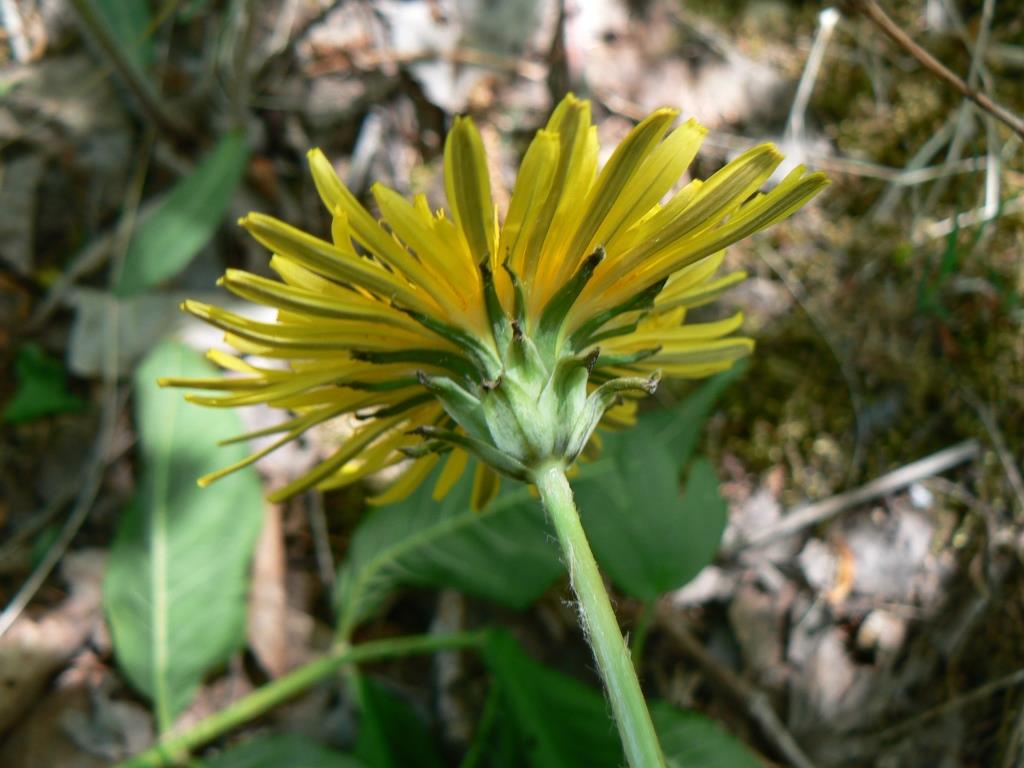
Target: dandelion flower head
(447, 334)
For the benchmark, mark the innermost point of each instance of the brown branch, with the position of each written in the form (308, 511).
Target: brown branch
(873, 11)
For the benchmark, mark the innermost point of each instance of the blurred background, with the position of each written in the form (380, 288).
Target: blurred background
(885, 400)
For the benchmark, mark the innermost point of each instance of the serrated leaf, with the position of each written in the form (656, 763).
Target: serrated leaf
(166, 241)
(647, 537)
(42, 387)
(503, 553)
(282, 751)
(129, 22)
(391, 733)
(555, 721)
(175, 591)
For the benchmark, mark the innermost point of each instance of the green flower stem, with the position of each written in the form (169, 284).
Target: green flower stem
(613, 660)
(176, 749)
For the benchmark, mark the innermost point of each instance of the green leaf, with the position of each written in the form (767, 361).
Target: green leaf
(555, 721)
(552, 720)
(42, 387)
(691, 740)
(502, 553)
(129, 21)
(391, 734)
(175, 591)
(166, 241)
(282, 751)
(681, 425)
(647, 537)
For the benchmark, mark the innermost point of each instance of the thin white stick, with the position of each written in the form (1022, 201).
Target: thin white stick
(888, 201)
(20, 46)
(827, 20)
(729, 142)
(935, 229)
(976, 72)
(812, 514)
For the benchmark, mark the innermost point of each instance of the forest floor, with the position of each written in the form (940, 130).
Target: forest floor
(883, 625)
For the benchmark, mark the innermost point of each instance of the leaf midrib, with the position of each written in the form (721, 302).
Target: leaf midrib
(158, 571)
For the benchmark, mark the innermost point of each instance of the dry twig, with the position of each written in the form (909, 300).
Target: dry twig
(979, 693)
(871, 10)
(1006, 458)
(755, 701)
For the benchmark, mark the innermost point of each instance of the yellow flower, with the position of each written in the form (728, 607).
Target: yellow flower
(446, 334)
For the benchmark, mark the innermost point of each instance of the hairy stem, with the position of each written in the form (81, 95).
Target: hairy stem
(602, 629)
(174, 750)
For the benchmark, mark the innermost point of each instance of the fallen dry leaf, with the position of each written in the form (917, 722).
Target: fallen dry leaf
(268, 604)
(33, 651)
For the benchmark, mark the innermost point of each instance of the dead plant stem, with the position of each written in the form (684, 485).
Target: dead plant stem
(872, 11)
(137, 82)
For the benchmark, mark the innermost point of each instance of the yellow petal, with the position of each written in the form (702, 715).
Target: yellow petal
(793, 192)
(690, 276)
(659, 172)
(329, 260)
(571, 123)
(453, 469)
(230, 362)
(486, 483)
(715, 199)
(699, 295)
(655, 220)
(681, 335)
(407, 482)
(326, 335)
(454, 282)
(302, 425)
(352, 447)
(784, 200)
(627, 158)
(468, 187)
(305, 303)
(531, 190)
(579, 179)
(701, 354)
(337, 198)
